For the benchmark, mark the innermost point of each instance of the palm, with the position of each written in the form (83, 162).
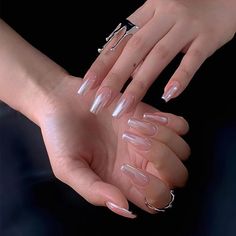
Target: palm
(87, 152)
(76, 139)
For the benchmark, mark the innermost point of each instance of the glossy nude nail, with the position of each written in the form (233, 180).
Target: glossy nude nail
(137, 176)
(123, 106)
(120, 210)
(146, 127)
(140, 142)
(101, 100)
(89, 81)
(169, 94)
(155, 117)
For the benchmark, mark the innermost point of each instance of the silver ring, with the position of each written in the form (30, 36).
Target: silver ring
(127, 27)
(150, 206)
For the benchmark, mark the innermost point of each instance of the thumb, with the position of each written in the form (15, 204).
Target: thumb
(79, 176)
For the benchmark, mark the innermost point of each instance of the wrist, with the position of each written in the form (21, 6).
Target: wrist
(38, 95)
(27, 77)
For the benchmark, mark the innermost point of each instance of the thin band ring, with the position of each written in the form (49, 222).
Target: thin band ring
(150, 206)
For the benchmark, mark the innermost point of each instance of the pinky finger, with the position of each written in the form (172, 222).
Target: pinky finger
(197, 53)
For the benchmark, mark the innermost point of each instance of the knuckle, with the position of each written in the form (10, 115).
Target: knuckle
(176, 7)
(140, 86)
(161, 156)
(183, 179)
(197, 54)
(100, 63)
(186, 74)
(113, 75)
(183, 126)
(136, 43)
(162, 51)
(114, 79)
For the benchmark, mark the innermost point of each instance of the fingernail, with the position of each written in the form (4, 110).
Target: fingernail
(169, 94)
(141, 143)
(123, 106)
(155, 117)
(120, 210)
(137, 176)
(88, 82)
(101, 100)
(146, 127)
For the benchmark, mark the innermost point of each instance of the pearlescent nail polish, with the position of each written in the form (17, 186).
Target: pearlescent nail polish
(101, 100)
(89, 81)
(146, 127)
(137, 176)
(172, 90)
(120, 210)
(139, 142)
(123, 105)
(155, 117)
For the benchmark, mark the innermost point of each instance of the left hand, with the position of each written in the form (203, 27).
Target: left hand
(88, 153)
(166, 27)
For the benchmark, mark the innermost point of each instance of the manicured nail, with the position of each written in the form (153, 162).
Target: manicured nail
(101, 100)
(120, 210)
(146, 127)
(123, 106)
(141, 143)
(89, 81)
(169, 94)
(155, 117)
(137, 176)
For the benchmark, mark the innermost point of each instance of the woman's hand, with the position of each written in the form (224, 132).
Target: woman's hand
(166, 28)
(106, 161)
(111, 161)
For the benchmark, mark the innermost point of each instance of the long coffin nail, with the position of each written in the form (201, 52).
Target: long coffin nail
(123, 105)
(89, 81)
(101, 100)
(155, 117)
(120, 210)
(141, 143)
(169, 94)
(146, 127)
(137, 176)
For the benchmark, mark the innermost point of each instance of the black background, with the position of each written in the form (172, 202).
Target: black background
(70, 32)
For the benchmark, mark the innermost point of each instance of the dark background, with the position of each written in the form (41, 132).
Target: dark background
(34, 203)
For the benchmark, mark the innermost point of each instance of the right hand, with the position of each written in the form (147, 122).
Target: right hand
(166, 28)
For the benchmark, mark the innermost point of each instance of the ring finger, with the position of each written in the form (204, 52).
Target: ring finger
(146, 187)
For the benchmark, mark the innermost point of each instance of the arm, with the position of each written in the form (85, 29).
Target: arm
(27, 76)
(101, 159)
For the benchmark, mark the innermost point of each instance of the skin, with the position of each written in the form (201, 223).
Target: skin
(166, 28)
(86, 151)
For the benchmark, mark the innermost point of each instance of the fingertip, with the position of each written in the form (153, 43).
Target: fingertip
(124, 105)
(120, 210)
(176, 123)
(172, 90)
